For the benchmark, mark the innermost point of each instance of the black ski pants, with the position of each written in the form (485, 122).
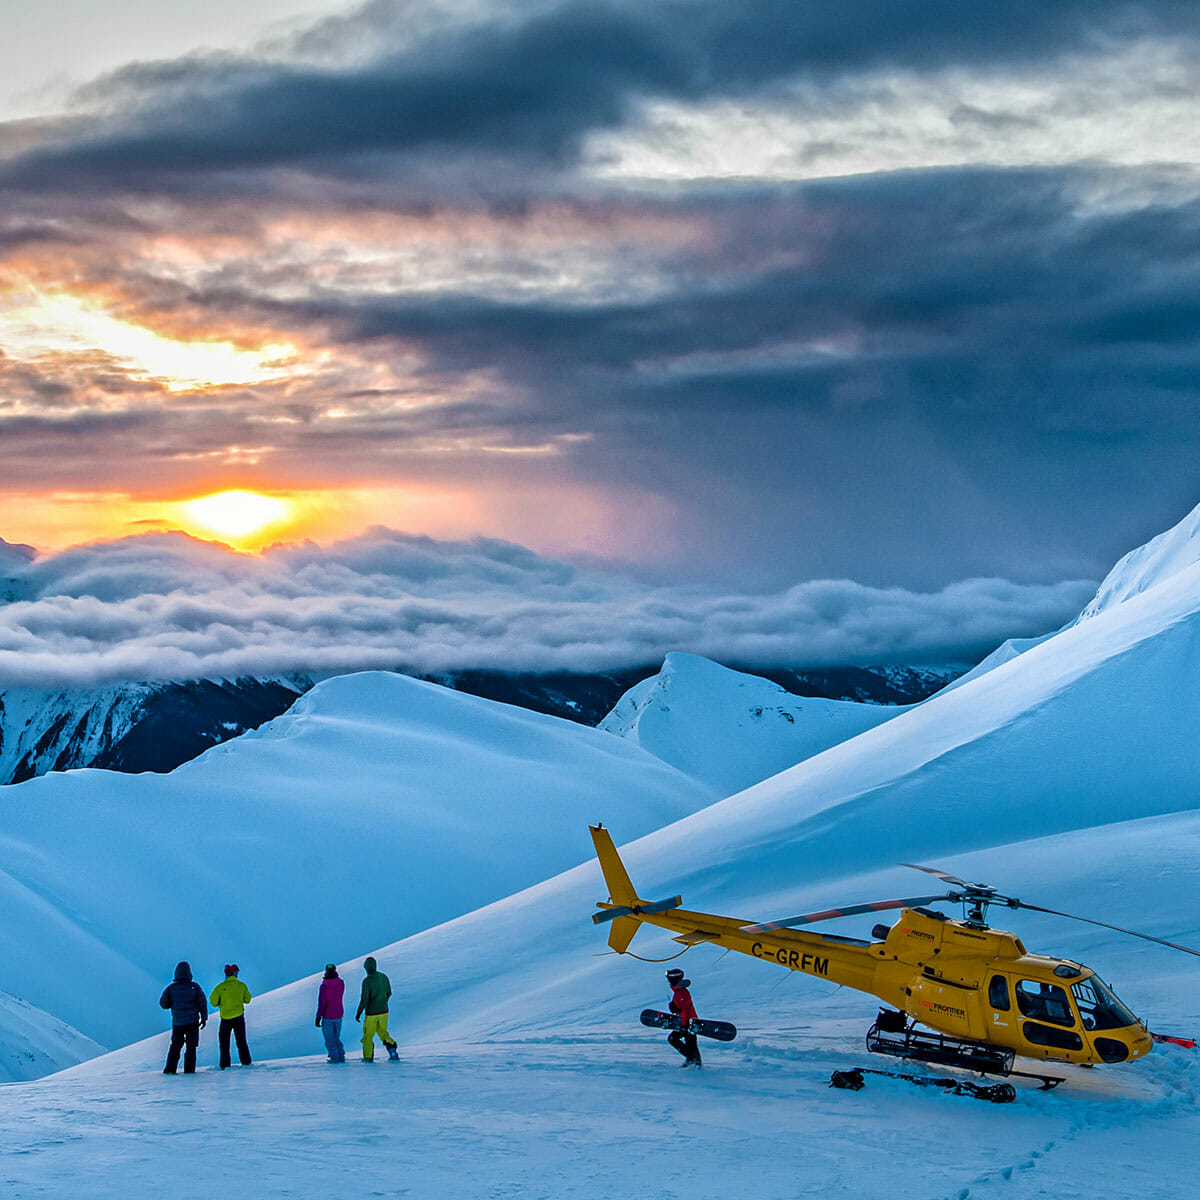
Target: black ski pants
(181, 1036)
(237, 1027)
(685, 1043)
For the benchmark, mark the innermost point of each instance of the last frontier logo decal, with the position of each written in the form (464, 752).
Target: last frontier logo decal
(943, 1010)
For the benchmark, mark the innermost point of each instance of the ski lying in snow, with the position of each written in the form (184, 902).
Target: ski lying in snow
(1186, 1043)
(997, 1093)
(722, 1031)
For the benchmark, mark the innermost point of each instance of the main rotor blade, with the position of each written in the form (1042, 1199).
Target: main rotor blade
(851, 910)
(945, 876)
(1118, 928)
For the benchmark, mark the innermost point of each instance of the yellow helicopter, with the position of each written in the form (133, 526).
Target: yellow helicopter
(982, 997)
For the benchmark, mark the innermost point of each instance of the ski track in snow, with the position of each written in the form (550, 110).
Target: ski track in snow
(585, 1117)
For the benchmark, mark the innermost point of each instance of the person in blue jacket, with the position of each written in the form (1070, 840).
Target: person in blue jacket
(189, 1014)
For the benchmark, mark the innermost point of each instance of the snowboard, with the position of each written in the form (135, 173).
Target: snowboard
(721, 1030)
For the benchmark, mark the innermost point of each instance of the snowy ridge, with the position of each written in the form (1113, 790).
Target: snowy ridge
(1157, 561)
(1003, 653)
(728, 728)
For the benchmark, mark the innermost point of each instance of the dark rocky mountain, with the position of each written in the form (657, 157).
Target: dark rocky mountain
(132, 727)
(135, 727)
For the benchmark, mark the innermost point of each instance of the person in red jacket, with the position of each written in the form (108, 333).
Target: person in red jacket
(685, 1010)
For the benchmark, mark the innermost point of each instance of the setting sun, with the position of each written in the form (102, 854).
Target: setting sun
(235, 516)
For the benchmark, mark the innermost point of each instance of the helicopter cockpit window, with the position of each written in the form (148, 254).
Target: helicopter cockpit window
(998, 993)
(1044, 1002)
(1098, 1007)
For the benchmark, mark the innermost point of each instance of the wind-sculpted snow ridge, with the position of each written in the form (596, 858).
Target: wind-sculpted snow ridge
(1156, 562)
(728, 728)
(378, 805)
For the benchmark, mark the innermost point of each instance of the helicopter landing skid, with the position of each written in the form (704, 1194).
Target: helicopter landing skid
(893, 1035)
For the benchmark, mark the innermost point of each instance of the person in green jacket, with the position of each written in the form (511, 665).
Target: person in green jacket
(231, 996)
(376, 991)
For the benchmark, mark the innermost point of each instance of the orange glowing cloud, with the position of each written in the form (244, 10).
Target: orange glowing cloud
(35, 323)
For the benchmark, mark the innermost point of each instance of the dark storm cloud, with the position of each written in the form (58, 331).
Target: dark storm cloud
(1001, 348)
(530, 86)
(982, 286)
(166, 606)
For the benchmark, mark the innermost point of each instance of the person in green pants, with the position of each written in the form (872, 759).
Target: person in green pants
(376, 991)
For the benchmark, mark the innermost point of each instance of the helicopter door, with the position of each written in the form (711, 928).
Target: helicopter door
(999, 999)
(1051, 1020)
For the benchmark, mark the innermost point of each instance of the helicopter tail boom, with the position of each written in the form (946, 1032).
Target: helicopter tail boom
(625, 907)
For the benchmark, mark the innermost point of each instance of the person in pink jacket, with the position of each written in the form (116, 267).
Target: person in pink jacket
(330, 1012)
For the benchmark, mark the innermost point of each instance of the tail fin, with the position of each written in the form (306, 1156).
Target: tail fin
(620, 889)
(624, 908)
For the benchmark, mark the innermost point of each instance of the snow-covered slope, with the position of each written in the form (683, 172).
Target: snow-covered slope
(378, 805)
(33, 1043)
(522, 1061)
(731, 729)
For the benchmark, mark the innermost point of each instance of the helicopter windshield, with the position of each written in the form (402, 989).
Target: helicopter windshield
(1098, 1007)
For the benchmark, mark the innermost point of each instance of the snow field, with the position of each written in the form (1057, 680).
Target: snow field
(611, 1115)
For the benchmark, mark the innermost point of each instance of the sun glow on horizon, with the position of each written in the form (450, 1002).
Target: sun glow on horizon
(239, 517)
(249, 521)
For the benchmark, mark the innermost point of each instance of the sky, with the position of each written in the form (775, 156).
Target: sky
(751, 295)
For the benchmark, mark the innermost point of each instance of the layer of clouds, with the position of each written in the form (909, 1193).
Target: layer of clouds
(167, 606)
